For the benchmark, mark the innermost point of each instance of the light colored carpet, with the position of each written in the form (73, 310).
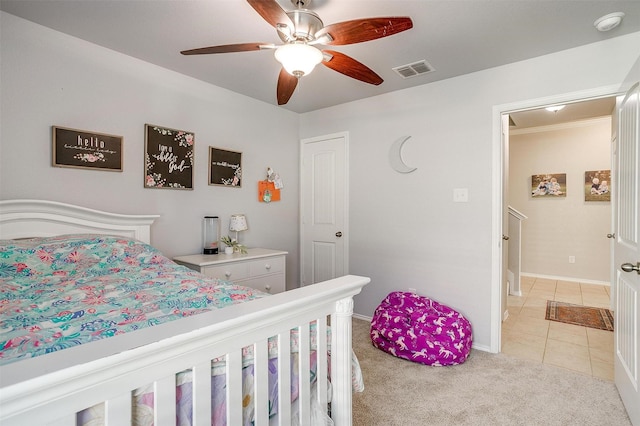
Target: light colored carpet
(488, 389)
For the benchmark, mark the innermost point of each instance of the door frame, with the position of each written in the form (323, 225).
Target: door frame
(497, 202)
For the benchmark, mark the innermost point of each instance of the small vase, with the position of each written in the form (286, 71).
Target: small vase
(228, 250)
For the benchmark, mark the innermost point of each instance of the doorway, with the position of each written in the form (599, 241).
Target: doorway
(498, 203)
(569, 144)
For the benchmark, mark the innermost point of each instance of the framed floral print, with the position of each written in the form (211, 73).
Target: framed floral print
(225, 167)
(168, 157)
(86, 150)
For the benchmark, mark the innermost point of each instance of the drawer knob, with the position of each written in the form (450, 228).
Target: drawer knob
(267, 287)
(268, 266)
(227, 274)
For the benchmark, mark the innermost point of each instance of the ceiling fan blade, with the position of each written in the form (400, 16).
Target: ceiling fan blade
(228, 48)
(350, 67)
(359, 30)
(271, 12)
(286, 86)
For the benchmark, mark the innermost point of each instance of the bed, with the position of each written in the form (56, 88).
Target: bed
(159, 359)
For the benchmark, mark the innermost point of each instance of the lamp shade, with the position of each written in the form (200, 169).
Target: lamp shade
(238, 223)
(298, 58)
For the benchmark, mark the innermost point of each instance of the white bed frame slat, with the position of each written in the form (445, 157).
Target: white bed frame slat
(118, 410)
(261, 383)
(202, 394)
(165, 401)
(52, 388)
(305, 375)
(68, 420)
(234, 387)
(322, 385)
(284, 378)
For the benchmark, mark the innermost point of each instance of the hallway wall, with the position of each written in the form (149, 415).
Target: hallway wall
(561, 226)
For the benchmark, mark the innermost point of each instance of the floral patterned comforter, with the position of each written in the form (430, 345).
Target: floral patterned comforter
(65, 291)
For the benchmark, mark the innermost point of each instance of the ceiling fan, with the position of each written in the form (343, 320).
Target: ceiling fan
(301, 30)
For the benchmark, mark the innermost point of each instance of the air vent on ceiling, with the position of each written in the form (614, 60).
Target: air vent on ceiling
(414, 69)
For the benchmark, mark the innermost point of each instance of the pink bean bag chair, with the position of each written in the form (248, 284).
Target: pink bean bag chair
(421, 330)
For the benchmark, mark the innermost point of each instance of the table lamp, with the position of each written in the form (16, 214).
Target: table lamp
(238, 223)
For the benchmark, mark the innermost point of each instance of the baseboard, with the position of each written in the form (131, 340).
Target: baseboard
(362, 317)
(555, 277)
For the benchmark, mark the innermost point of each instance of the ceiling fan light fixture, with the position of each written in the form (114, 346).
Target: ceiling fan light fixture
(298, 58)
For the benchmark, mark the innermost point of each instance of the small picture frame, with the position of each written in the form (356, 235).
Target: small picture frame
(84, 149)
(168, 158)
(597, 185)
(549, 185)
(225, 167)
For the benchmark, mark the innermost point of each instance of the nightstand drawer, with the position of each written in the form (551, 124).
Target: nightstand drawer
(262, 269)
(269, 283)
(229, 272)
(269, 265)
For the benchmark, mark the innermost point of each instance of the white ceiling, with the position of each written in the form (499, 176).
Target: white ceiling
(455, 36)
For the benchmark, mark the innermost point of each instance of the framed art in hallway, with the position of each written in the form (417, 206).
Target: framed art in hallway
(597, 185)
(225, 167)
(549, 185)
(168, 158)
(85, 149)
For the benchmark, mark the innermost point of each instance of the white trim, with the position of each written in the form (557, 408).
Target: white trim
(496, 209)
(362, 317)
(517, 214)
(570, 279)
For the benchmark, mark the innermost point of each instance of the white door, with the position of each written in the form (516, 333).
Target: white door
(627, 255)
(324, 189)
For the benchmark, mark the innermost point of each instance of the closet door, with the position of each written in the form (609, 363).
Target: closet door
(324, 183)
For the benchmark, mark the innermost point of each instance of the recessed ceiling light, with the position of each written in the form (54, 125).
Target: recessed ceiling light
(554, 108)
(608, 22)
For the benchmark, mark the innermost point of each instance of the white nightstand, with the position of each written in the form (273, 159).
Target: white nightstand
(262, 269)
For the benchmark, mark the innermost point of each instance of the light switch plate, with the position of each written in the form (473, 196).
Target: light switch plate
(460, 195)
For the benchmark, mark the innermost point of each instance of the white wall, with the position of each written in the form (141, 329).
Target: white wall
(406, 231)
(559, 227)
(49, 78)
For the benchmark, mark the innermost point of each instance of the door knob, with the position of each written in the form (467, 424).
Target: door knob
(629, 267)
(611, 235)
(505, 237)
(338, 234)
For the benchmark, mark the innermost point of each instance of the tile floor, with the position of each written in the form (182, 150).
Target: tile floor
(526, 334)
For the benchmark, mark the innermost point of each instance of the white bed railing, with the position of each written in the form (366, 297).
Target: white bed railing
(52, 388)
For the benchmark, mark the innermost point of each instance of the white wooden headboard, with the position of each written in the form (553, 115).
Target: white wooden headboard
(40, 218)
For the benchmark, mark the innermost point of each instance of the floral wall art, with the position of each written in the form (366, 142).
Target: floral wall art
(168, 158)
(225, 167)
(86, 149)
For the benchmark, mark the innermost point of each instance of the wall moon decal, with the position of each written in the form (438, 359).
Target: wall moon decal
(395, 157)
